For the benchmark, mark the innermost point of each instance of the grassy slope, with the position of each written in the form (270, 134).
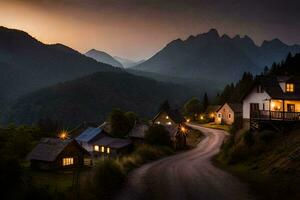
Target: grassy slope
(267, 166)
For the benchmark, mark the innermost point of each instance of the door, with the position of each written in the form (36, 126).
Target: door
(254, 109)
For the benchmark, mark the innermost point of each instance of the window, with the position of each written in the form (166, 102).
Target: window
(219, 115)
(67, 161)
(102, 149)
(290, 87)
(229, 115)
(96, 148)
(169, 123)
(108, 150)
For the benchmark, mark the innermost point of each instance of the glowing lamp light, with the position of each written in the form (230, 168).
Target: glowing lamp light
(63, 135)
(188, 120)
(212, 115)
(183, 129)
(201, 117)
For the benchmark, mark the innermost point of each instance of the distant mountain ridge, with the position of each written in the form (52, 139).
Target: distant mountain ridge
(27, 64)
(127, 63)
(103, 57)
(212, 56)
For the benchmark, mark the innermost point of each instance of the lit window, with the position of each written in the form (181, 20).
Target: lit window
(167, 117)
(102, 149)
(108, 150)
(169, 123)
(67, 161)
(290, 87)
(96, 148)
(229, 115)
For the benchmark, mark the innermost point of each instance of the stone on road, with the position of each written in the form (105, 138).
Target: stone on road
(188, 175)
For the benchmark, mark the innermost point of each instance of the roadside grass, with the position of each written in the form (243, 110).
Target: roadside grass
(262, 160)
(217, 126)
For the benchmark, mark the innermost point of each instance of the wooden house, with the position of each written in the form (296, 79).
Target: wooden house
(168, 117)
(54, 153)
(211, 112)
(229, 113)
(88, 136)
(172, 120)
(272, 99)
(108, 146)
(137, 134)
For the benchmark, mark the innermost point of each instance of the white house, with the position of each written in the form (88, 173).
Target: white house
(273, 98)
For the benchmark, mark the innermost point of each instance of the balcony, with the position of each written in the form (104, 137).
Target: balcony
(275, 115)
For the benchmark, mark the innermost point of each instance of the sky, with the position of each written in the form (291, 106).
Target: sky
(137, 29)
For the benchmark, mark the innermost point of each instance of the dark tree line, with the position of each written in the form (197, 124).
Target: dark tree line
(234, 92)
(290, 66)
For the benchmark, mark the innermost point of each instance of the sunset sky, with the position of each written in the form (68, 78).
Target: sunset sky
(137, 29)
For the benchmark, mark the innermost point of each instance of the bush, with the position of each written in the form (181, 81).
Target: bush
(248, 138)
(267, 135)
(157, 135)
(108, 179)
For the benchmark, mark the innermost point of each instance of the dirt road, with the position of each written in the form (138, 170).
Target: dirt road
(189, 175)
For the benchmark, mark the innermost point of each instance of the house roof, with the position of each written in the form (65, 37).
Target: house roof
(174, 114)
(236, 107)
(212, 108)
(114, 143)
(138, 131)
(89, 134)
(48, 149)
(271, 85)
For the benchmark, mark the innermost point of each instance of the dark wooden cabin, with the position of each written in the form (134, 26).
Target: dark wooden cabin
(55, 153)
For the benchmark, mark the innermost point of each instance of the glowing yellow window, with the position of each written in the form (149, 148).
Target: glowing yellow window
(108, 150)
(290, 87)
(68, 161)
(96, 148)
(102, 149)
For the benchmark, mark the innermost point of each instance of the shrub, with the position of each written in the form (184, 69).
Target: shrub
(157, 135)
(248, 138)
(108, 179)
(267, 135)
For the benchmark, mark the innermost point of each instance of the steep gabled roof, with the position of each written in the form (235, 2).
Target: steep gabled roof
(212, 108)
(174, 114)
(89, 134)
(271, 85)
(235, 107)
(138, 131)
(48, 149)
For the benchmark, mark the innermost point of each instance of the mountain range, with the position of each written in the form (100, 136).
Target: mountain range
(27, 64)
(216, 57)
(92, 97)
(103, 57)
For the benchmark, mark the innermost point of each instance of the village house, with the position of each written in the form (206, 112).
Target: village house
(211, 112)
(111, 147)
(272, 98)
(229, 113)
(55, 153)
(172, 120)
(87, 137)
(137, 134)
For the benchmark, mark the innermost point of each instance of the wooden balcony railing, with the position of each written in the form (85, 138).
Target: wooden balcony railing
(275, 115)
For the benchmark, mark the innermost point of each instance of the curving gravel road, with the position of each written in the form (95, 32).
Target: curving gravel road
(189, 175)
